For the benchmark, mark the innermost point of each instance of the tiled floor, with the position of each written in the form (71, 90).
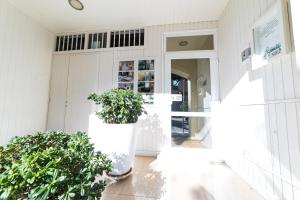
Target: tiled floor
(181, 174)
(188, 143)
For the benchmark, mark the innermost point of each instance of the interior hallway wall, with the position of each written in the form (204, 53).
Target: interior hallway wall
(259, 116)
(25, 65)
(205, 101)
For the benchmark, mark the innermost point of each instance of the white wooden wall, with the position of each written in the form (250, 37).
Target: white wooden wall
(152, 135)
(295, 16)
(259, 117)
(25, 65)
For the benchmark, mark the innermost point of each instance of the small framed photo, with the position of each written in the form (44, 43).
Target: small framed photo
(146, 64)
(146, 87)
(146, 75)
(270, 35)
(125, 86)
(126, 66)
(126, 76)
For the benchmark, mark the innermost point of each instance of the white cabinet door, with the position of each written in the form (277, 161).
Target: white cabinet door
(58, 95)
(83, 79)
(106, 65)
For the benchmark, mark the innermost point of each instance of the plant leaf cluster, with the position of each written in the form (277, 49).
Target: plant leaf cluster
(52, 165)
(119, 106)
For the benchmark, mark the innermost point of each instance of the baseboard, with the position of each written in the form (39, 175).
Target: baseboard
(147, 153)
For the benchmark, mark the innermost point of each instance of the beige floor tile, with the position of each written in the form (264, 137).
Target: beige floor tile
(187, 143)
(147, 184)
(143, 163)
(128, 197)
(181, 174)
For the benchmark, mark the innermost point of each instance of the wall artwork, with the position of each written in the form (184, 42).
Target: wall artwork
(126, 75)
(146, 78)
(140, 78)
(270, 35)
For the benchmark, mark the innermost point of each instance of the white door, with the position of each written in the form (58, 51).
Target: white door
(189, 115)
(83, 80)
(58, 92)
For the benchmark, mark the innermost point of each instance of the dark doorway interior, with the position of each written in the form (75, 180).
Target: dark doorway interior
(180, 125)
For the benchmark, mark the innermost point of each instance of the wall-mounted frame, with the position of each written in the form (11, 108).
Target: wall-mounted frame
(138, 75)
(126, 74)
(146, 79)
(270, 35)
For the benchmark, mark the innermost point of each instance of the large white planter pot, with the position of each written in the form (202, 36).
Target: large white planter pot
(118, 141)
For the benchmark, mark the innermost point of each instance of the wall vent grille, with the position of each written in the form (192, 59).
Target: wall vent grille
(100, 40)
(127, 38)
(70, 42)
(97, 40)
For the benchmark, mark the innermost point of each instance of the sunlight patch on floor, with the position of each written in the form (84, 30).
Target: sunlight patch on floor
(181, 174)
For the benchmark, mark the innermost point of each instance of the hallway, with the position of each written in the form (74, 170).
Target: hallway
(166, 178)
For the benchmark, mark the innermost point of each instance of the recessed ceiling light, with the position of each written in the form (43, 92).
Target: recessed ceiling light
(76, 4)
(183, 43)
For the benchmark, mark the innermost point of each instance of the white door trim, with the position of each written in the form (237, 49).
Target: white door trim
(211, 54)
(214, 70)
(193, 55)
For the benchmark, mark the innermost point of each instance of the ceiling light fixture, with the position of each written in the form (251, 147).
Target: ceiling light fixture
(183, 43)
(76, 4)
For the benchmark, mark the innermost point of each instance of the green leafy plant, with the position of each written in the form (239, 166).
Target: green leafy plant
(119, 106)
(52, 165)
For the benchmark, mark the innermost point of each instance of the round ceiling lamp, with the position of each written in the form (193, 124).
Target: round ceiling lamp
(183, 43)
(76, 4)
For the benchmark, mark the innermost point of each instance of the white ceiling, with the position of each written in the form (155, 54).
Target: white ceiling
(58, 16)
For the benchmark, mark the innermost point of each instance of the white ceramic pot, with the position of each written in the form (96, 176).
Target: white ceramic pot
(118, 141)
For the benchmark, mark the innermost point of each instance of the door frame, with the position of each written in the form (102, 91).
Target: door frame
(201, 54)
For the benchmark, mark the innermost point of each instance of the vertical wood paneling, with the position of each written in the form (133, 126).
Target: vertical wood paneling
(296, 75)
(270, 92)
(106, 64)
(287, 72)
(280, 82)
(58, 92)
(82, 80)
(25, 63)
(293, 133)
(269, 149)
(284, 156)
(275, 151)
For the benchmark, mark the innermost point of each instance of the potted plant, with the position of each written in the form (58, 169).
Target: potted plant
(52, 165)
(112, 129)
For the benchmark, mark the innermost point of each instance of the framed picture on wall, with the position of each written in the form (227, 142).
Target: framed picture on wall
(126, 86)
(126, 75)
(146, 64)
(146, 75)
(126, 66)
(270, 34)
(138, 75)
(146, 80)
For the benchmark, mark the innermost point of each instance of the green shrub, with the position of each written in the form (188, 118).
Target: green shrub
(119, 106)
(52, 165)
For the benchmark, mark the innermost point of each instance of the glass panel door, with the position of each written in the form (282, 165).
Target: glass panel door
(191, 100)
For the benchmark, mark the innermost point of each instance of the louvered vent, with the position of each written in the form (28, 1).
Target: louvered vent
(70, 42)
(127, 38)
(97, 40)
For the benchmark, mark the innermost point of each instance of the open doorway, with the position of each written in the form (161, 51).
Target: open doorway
(191, 94)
